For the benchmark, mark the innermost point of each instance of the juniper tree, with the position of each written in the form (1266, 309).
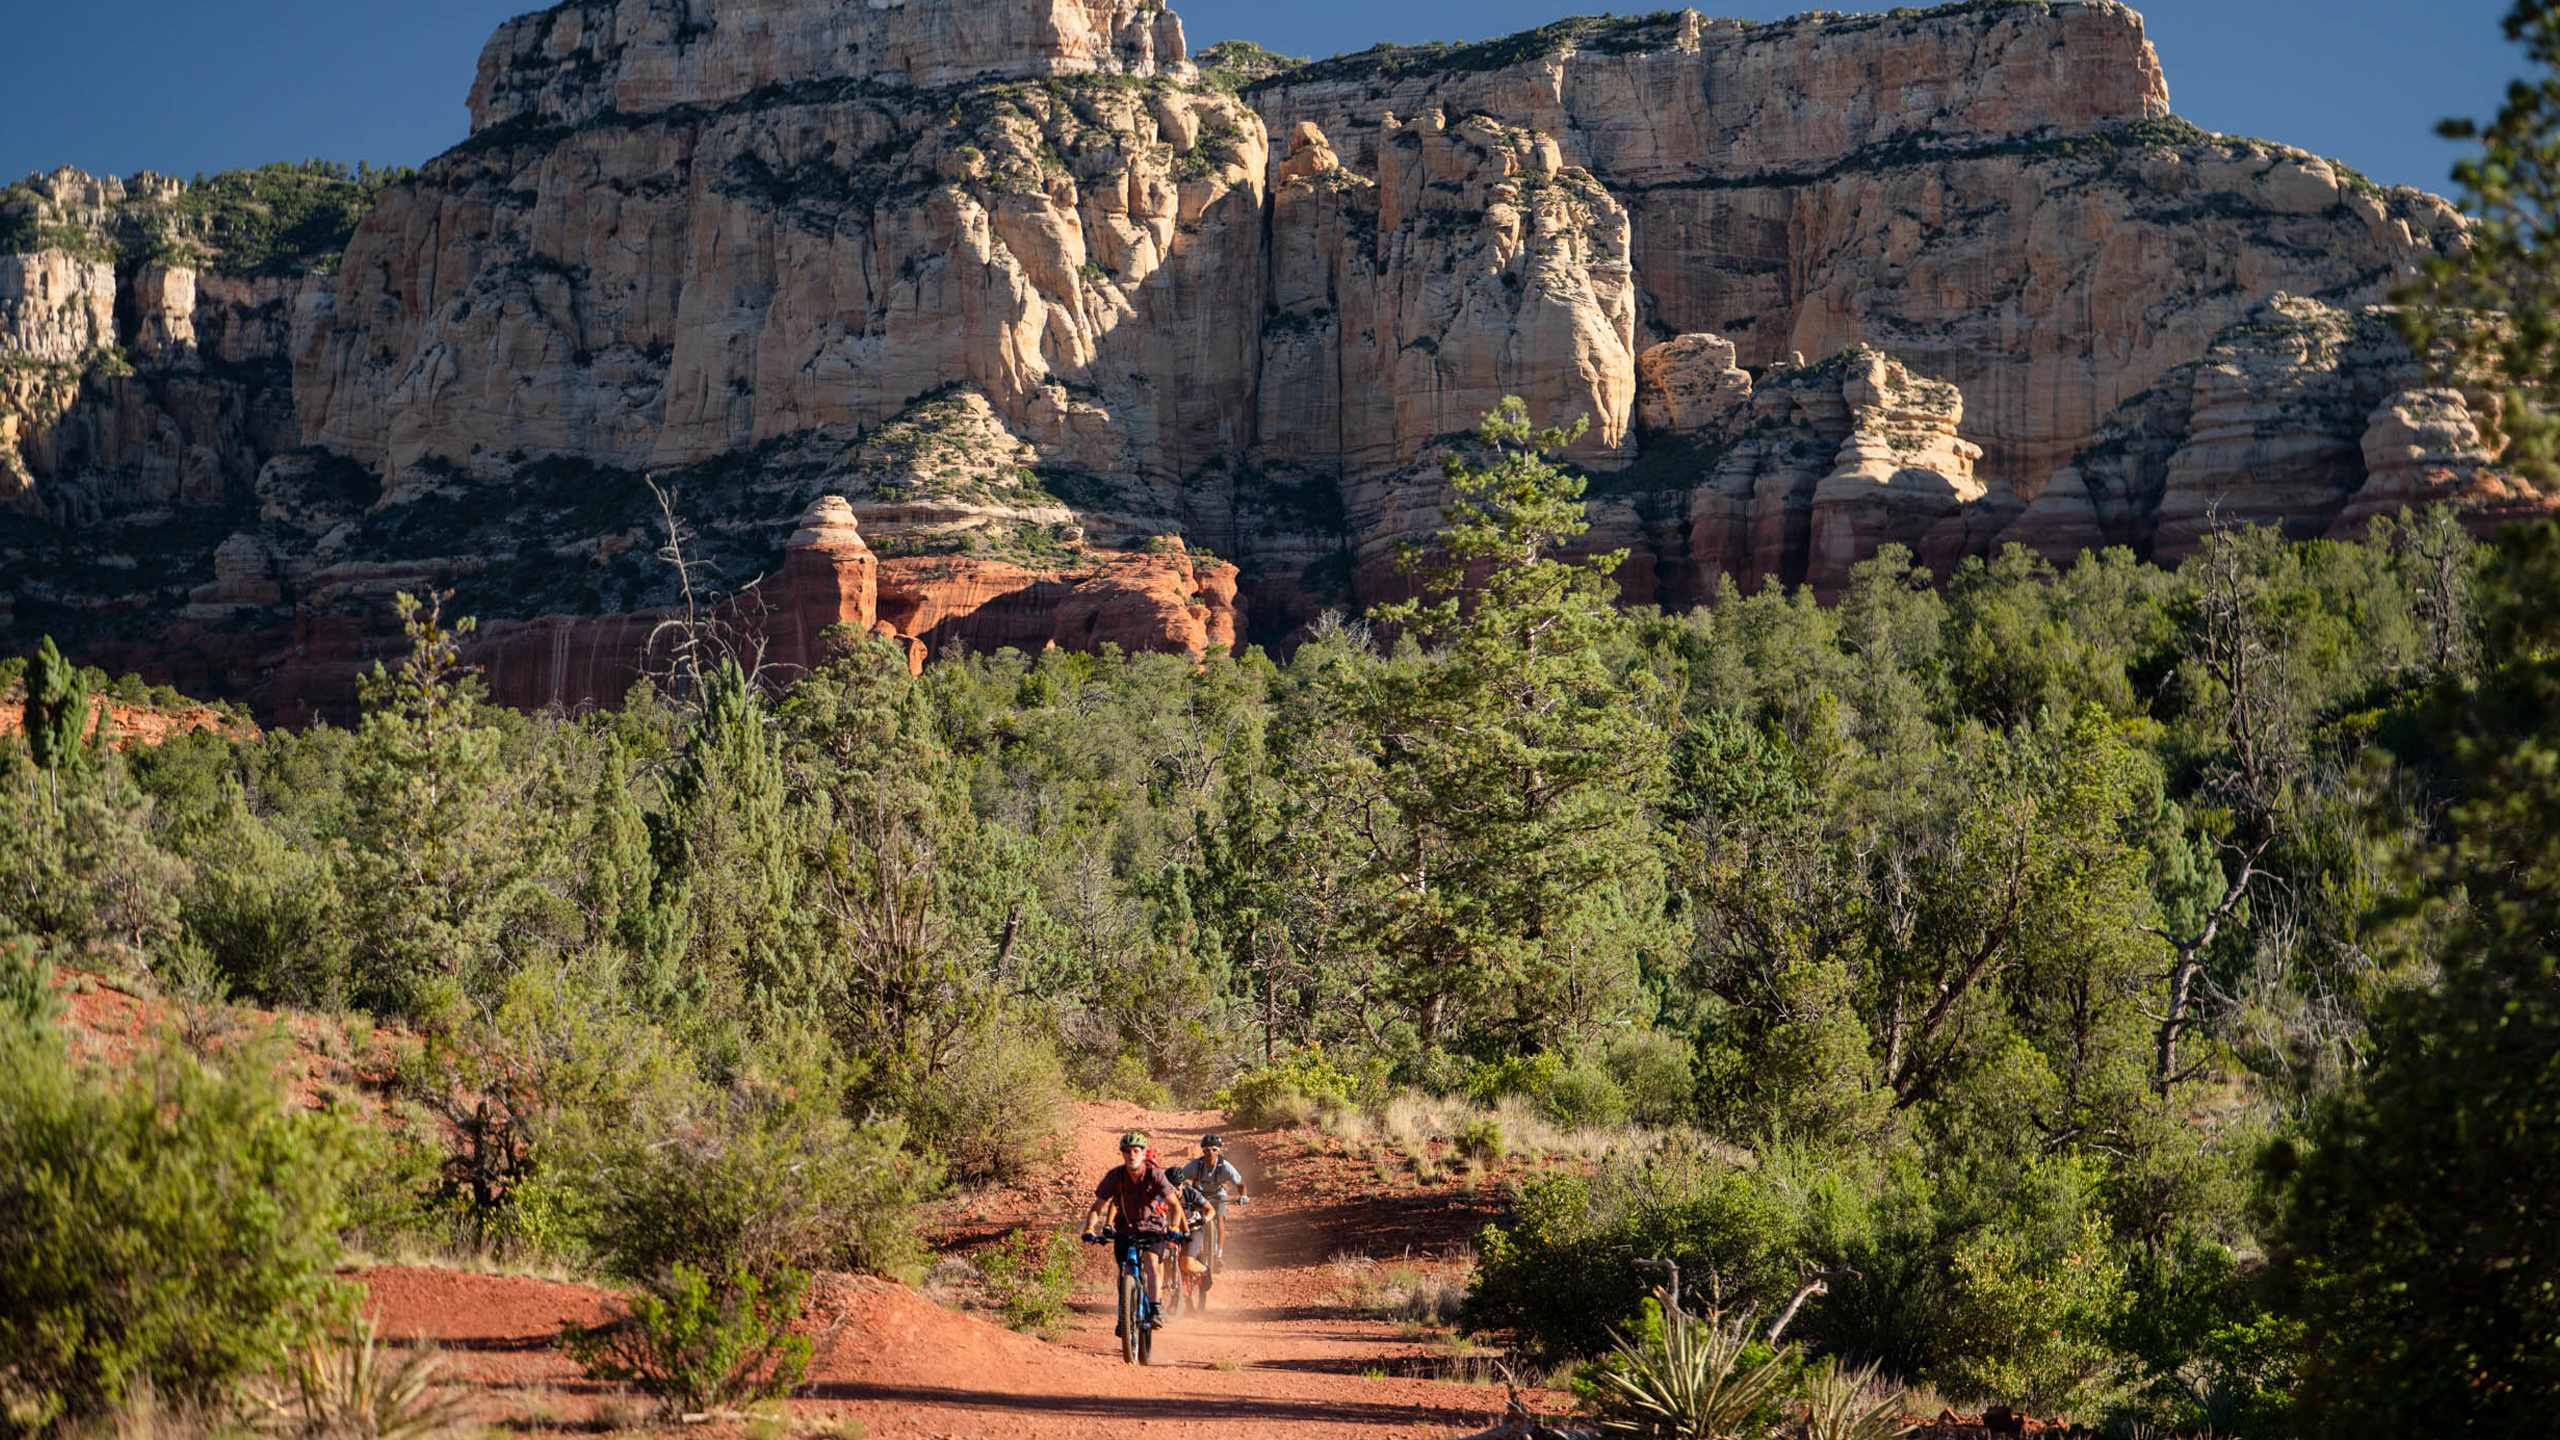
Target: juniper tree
(2422, 1247)
(57, 711)
(433, 858)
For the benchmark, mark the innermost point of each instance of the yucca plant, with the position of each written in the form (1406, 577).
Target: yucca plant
(352, 1386)
(1689, 1383)
(1845, 1404)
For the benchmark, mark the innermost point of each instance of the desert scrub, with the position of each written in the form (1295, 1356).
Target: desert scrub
(1294, 1091)
(1415, 1294)
(1028, 1276)
(169, 1231)
(695, 1346)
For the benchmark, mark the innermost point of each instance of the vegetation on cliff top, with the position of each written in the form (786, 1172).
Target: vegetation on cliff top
(274, 220)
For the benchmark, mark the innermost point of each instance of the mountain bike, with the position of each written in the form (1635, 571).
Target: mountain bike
(1191, 1291)
(1218, 1232)
(1138, 1314)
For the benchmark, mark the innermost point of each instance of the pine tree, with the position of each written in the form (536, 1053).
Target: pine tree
(618, 888)
(724, 846)
(1508, 761)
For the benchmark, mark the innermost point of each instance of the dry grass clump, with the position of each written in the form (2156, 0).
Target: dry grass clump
(1429, 1132)
(1402, 1291)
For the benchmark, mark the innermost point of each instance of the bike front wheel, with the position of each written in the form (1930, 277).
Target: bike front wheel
(1133, 1312)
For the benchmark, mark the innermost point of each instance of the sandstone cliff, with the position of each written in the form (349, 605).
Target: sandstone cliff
(1030, 294)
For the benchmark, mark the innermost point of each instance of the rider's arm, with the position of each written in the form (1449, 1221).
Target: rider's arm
(1235, 1174)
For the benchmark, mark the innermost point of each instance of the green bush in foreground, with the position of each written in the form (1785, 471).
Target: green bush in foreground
(1029, 1276)
(697, 1347)
(172, 1230)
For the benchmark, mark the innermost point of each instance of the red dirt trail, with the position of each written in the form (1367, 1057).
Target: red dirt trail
(1279, 1353)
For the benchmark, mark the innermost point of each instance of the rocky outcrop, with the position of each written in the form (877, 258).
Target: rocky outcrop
(2279, 408)
(830, 585)
(2304, 415)
(126, 725)
(1149, 600)
(1903, 476)
(55, 307)
(1800, 477)
(661, 287)
(1027, 294)
(2039, 232)
(2423, 448)
(1689, 383)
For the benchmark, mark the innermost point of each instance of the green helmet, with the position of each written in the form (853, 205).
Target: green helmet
(1134, 1137)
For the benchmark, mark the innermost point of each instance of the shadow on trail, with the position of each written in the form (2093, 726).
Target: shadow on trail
(1309, 1230)
(1117, 1406)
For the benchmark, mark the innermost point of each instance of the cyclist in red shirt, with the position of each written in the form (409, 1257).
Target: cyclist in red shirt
(1143, 1205)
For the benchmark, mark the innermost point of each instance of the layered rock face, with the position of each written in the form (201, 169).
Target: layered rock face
(1051, 314)
(2304, 416)
(575, 62)
(1814, 468)
(655, 289)
(789, 623)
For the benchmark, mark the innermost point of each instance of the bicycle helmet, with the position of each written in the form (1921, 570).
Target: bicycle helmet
(1134, 1137)
(1212, 1142)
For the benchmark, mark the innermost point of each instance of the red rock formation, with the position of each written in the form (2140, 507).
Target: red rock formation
(130, 725)
(1157, 599)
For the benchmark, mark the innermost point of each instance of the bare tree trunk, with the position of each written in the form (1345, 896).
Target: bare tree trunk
(2187, 965)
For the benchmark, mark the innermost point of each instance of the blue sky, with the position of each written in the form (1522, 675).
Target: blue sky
(181, 86)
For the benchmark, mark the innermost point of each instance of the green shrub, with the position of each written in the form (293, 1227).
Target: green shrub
(171, 1230)
(1571, 1092)
(1128, 1079)
(2030, 1318)
(1292, 1090)
(701, 1185)
(269, 910)
(79, 872)
(992, 1112)
(1654, 1072)
(1481, 1140)
(1582, 1094)
(697, 1347)
(1528, 1075)
(1558, 1276)
(27, 1001)
(1029, 1276)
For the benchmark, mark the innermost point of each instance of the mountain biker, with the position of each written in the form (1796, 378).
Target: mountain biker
(1211, 1171)
(1146, 1204)
(1191, 1261)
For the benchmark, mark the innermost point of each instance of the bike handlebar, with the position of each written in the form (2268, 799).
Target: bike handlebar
(1176, 1236)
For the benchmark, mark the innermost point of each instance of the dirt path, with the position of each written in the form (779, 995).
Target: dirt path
(1280, 1353)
